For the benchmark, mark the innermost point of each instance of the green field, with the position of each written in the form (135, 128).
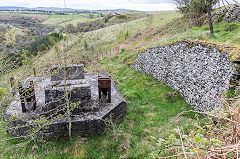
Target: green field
(52, 18)
(24, 13)
(70, 19)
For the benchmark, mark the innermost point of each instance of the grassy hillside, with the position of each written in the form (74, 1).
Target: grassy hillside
(101, 41)
(72, 19)
(151, 110)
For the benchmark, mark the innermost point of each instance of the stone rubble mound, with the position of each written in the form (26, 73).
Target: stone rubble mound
(199, 73)
(231, 13)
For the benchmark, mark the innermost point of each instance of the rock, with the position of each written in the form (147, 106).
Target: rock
(199, 73)
(231, 13)
(73, 72)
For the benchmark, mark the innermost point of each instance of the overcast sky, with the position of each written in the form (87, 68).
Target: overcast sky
(143, 5)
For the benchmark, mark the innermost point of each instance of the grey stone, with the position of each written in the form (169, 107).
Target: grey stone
(231, 13)
(199, 73)
(87, 118)
(76, 93)
(73, 72)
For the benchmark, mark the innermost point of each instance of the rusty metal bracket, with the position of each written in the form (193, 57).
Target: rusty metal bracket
(32, 95)
(22, 98)
(27, 95)
(104, 87)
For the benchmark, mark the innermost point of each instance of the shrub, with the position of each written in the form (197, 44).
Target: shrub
(127, 35)
(86, 27)
(123, 50)
(71, 28)
(44, 43)
(2, 92)
(101, 25)
(121, 16)
(221, 18)
(216, 136)
(230, 27)
(121, 36)
(85, 45)
(107, 17)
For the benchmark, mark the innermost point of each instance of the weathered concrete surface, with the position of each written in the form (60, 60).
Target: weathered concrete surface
(78, 91)
(199, 73)
(91, 122)
(73, 72)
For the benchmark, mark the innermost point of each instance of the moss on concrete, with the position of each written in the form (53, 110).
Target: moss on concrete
(233, 50)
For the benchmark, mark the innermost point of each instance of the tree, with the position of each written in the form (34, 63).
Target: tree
(70, 28)
(193, 9)
(209, 16)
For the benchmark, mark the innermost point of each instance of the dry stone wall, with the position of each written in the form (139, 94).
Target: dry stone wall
(199, 73)
(231, 13)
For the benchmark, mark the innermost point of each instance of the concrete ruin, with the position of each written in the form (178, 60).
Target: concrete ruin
(88, 112)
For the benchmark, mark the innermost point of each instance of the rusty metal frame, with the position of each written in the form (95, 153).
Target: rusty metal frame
(104, 87)
(27, 95)
(33, 97)
(22, 97)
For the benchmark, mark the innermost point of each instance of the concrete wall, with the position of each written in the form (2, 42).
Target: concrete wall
(199, 73)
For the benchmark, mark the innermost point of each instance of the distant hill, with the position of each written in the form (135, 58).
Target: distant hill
(12, 8)
(40, 8)
(56, 9)
(59, 9)
(116, 10)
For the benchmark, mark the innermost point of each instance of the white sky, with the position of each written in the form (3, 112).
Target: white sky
(143, 5)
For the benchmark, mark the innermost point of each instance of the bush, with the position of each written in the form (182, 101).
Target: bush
(71, 28)
(86, 27)
(44, 43)
(107, 17)
(127, 35)
(123, 50)
(221, 18)
(212, 135)
(121, 16)
(230, 27)
(121, 36)
(85, 45)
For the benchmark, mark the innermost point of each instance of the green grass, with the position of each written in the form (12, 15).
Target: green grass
(72, 19)
(223, 32)
(54, 18)
(24, 13)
